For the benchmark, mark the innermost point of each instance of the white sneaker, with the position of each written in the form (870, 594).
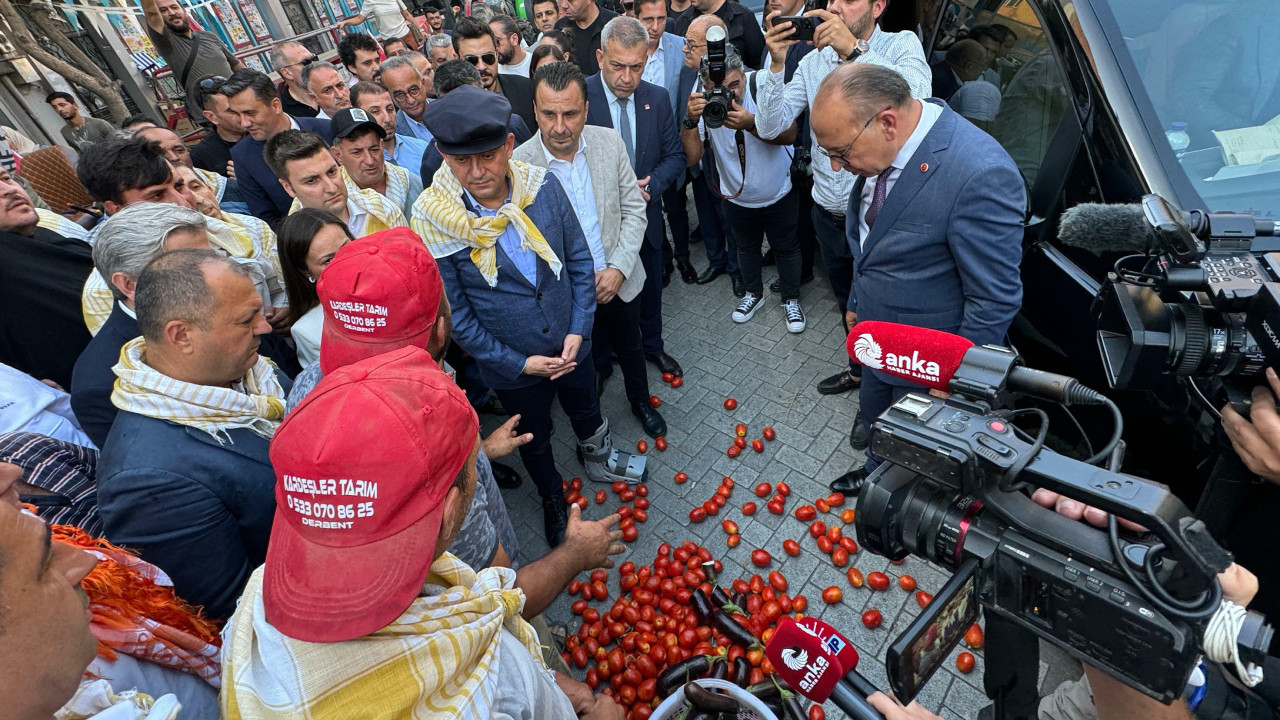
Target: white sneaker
(795, 316)
(746, 308)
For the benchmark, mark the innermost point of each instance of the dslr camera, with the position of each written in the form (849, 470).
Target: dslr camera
(952, 490)
(719, 98)
(1204, 304)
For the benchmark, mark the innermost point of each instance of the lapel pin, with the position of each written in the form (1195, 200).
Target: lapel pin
(924, 167)
(646, 107)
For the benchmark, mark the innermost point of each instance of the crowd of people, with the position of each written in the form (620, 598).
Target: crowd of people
(251, 390)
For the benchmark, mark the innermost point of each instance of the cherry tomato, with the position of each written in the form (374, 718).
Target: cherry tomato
(600, 496)
(618, 486)
(579, 658)
(677, 382)
(923, 598)
(777, 580)
(640, 515)
(575, 484)
(599, 575)
(839, 556)
(763, 489)
(964, 662)
(749, 508)
(627, 495)
(878, 581)
(760, 558)
(791, 547)
(817, 528)
(822, 505)
(973, 636)
(578, 607)
(734, 451)
(642, 447)
(757, 445)
(697, 515)
(740, 430)
(710, 507)
(832, 594)
(654, 401)
(681, 478)
(906, 582)
(835, 499)
(825, 545)
(848, 515)
(730, 404)
(805, 513)
(668, 377)
(729, 526)
(642, 503)
(849, 544)
(768, 433)
(872, 618)
(740, 443)
(816, 712)
(590, 615)
(724, 491)
(642, 490)
(835, 533)
(775, 507)
(783, 489)
(727, 481)
(660, 442)
(855, 577)
(630, 534)
(733, 540)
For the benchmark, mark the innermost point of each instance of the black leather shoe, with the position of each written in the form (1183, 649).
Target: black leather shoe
(687, 273)
(555, 520)
(850, 483)
(841, 382)
(666, 275)
(768, 260)
(860, 436)
(601, 378)
(505, 477)
(649, 418)
(666, 364)
(739, 286)
(709, 275)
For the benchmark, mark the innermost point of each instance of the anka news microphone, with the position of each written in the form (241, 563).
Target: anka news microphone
(931, 357)
(812, 658)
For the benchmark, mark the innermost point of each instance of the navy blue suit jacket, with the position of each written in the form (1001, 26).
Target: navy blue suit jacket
(659, 154)
(502, 326)
(946, 247)
(197, 508)
(259, 187)
(92, 380)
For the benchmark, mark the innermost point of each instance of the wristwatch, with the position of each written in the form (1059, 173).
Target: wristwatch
(688, 124)
(860, 47)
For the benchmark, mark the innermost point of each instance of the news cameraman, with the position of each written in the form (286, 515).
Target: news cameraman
(753, 179)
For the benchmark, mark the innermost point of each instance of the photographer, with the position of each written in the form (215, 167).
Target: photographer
(762, 201)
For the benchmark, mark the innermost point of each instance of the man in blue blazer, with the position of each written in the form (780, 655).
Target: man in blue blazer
(934, 221)
(618, 93)
(254, 99)
(523, 303)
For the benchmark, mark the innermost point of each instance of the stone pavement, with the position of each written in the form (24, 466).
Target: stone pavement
(772, 374)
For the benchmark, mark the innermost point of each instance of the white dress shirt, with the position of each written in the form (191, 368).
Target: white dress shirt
(655, 68)
(575, 178)
(929, 115)
(782, 102)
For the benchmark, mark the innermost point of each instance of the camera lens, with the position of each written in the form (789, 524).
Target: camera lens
(903, 513)
(716, 111)
(1204, 343)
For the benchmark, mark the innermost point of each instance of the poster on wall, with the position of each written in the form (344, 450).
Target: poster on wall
(130, 32)
(254, 17)
(230, 20)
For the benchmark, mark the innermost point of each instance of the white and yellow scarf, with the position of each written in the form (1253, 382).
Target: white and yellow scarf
(435, 660)
(50, 220)
(258, 405)
(381, 213)
(216, 181)
(445, 225)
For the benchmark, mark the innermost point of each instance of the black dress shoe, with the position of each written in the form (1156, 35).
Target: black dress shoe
(555, 520)
(601, 378)
(709, 275)
(841, 382)
(687, 273)
(666, 276)
(505, 477)
(739, 286)
(850, 483)
(860, 436)
(666, 364)
(649, 418)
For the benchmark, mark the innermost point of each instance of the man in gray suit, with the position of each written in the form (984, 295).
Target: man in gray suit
(591, 164)
(934, 221)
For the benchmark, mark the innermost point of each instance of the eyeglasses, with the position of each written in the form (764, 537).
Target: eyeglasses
(304, 62)
(842, 155)
(690, 47)
(211, 83)
(487, 59)
(413, 91)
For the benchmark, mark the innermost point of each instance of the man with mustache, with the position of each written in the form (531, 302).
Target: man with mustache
(403, 150)
(475, 42)
(191, 55)
(358, 146)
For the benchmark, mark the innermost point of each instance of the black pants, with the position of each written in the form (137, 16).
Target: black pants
(577, 393)
(778, 222)
(617, 329)
(828, 230)
(650, 297)
(803, 185)
(675, 203)
(717, 237)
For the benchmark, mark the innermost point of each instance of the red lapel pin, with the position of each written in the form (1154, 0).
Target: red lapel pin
(646, 107)
(924, 167)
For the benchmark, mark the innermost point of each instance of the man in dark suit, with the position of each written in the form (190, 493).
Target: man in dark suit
(253, 98)
(934, 221)
(641, 113)
(475, 43)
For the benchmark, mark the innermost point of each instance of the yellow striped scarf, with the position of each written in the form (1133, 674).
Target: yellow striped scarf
(50, 220)
(217, 182)
(442, 220)
(258, 406)
(435, 660)
(397, 187)
(381, 214)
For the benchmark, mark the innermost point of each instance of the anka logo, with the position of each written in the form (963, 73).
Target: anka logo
(867, 352)
(795, 658)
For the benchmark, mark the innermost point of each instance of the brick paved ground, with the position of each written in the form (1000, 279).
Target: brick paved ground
(772, 374)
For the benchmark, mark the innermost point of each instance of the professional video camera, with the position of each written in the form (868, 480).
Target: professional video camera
(1204, 303)
(951, 490)
(719, 98)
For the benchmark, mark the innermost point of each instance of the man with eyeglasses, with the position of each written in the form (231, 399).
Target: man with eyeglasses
(403, 150)
(327, 88)
(190, 55)
(410, 93)
(213, 152)
(289, 58)
(474, 42)
(934, 219)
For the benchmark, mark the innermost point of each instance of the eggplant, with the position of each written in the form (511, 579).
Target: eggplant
(702, 607)
(741, 671)
(765, 690)
(720, 670)
(682, 672)
(733, 630)
(792, 708)
(705, 699)
(720, 598)
(740, 599)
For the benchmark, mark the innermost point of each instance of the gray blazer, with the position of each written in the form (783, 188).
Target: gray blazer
(620, 207)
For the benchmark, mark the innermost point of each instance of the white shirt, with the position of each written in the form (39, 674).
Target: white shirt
(521, 68)
(655, 68)
(976, 100)
(524, 691)
(769, 166)
(929, 115)
(575, 178)
(322, 115)
(306, 335)
(28, 405)
(614, 109)
(357, 219)
(782, 102)
(388, 17)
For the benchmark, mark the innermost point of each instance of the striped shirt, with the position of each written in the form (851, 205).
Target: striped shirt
(782, 102)
(65, 471)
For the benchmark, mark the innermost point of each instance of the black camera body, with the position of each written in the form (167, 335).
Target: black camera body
(950, 490)
(1227, 331)
(719, 98)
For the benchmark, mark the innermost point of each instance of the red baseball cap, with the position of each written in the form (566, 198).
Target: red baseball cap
(380, 293)
(362, 469)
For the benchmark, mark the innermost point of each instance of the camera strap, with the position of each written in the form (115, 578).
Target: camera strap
(740, 139)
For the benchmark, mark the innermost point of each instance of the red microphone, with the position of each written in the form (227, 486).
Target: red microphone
(807, 659)
(923, 356)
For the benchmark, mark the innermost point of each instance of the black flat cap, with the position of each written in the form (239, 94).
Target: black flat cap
(468, 120)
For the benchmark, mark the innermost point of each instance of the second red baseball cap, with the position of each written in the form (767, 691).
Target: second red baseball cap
(380, 293)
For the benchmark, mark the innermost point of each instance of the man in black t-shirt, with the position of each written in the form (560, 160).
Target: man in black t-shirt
(744, 31)
(585, 20)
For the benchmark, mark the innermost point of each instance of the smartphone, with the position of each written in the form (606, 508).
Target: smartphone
(924, 645)
(804, 26)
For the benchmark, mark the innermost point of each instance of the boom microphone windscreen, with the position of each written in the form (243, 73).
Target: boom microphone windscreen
(1104, 229)
(923, 356)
